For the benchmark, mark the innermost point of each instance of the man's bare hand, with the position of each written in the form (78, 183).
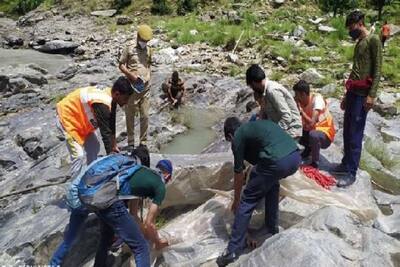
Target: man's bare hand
(369, 103)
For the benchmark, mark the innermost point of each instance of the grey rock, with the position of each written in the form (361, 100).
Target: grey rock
(324, 28)
(33, 18)
(385, 109)
(124, 20)
(104, 13)
(4, 81)
(299, 31)
(386, 98)
(14, 41)
(57, 47)
(34, 78)
(234, 17)
(394, 29)
(2, 14)
(383, 198)
(316, 21)
(311, 76)
(390, 224)
(315, 59)
(328, 89)
(17, 85)
(391, 132)
(37, 68)
(68, 72)
(165, 56)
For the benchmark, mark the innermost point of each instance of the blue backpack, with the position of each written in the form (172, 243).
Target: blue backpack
(102, 182)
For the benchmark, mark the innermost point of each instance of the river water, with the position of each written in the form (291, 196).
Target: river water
(14, 57)
(200, 133)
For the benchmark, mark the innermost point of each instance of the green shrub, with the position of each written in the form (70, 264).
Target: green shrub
(185, 6)
(160, 7)
(121, 4)
(24, 6)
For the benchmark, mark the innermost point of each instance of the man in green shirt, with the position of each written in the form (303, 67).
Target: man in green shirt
(362, 87)
(145, 182)
(274, 155)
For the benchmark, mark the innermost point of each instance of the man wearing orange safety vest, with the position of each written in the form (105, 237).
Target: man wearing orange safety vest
(318, 127)
(84, 110)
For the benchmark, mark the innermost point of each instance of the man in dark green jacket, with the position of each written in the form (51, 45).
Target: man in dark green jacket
(274, 155)
(362, 87)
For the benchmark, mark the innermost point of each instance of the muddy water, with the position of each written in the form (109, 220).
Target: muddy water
(200, 133)
(15, 57)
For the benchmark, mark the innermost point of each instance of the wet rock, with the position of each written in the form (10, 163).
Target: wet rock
(311, 76)
(299, 32)
(17, 85)
(104, 13)
(390, 224)
(57, 47)
(327, 29)
(68, 73)
(124, 20)
(14, 41)
(4, 83)
(34, 78)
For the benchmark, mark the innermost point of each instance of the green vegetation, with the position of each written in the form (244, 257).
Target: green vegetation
(160, 7)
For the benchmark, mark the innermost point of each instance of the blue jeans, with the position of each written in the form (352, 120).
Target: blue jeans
(76, 221)
(263, 182)
(116, 219)
(355, 118)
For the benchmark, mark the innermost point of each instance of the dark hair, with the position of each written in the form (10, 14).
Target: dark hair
(251, 105)
(143, 154)
(302, 86)
(175, 74)
(354, 17)
(254, 74)
(230, 126)
(122, 85)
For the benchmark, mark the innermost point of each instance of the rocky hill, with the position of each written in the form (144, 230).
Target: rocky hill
(49, 51)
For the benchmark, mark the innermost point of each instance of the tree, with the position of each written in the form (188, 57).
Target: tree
(379, 4)
(338, 6)
(185, 6)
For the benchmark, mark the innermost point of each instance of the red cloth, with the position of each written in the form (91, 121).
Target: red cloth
(359, 84)
(324, 180)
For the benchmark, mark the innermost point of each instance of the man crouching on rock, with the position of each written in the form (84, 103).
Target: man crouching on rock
(115, 218)
(274, 155)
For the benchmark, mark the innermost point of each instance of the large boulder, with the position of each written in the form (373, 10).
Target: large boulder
(57, 47)
(311, 76)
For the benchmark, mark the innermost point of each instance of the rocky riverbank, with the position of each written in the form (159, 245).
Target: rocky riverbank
(34, 160)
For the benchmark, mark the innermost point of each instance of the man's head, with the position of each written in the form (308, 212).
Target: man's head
(165, 166)
(302, 92)
(355, 24)
(175, 77)
(254, 78)
(121, 90)
(144, 34)
(230, 126)
(143, 154)
(386, 22)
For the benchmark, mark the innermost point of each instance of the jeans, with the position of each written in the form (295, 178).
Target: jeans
(355, 118)
(313, 141)
(76, 222)
(263, 182)
(116, 219)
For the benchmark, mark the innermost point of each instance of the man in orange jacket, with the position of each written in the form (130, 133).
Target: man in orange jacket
(318, 126)
(385, 33)
(84, 110)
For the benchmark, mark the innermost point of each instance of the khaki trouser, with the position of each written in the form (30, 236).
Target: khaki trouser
(138, 103)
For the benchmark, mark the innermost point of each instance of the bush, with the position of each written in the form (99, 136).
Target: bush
(160, 7)
(121, 4)
(24, 6)
(185, 6)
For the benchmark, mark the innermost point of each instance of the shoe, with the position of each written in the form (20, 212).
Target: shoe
(345, 180)
(306, 153)
(117, 244)
(226, 258)
(339, 168)
(314, 165)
